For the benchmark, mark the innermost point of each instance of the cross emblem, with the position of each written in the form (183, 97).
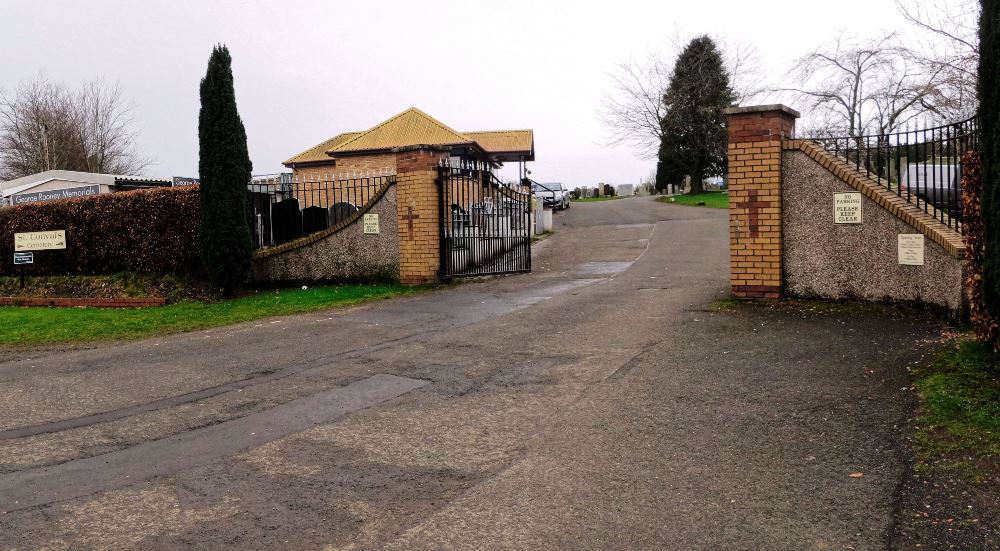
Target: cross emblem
(410, 217)
(753, 207)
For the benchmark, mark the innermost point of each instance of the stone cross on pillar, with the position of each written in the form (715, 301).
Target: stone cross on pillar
(755, 243)
(410, 217)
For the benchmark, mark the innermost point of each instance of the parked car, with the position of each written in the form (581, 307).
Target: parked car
(551, 194)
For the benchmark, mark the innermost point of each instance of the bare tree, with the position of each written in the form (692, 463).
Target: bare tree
(948, 48)
(855, 86)
(632, 111)
(44, 126)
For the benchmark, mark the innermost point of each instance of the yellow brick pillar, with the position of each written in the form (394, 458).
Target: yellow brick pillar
(755, 246)
(418, 213)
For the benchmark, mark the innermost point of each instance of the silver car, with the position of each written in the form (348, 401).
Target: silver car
(552, 194)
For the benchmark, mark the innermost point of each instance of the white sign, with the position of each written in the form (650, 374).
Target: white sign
(40, 240)
(55, 195)
(847, 208)
(911, 249)
(371, 223)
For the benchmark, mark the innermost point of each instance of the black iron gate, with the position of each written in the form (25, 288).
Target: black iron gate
(485, 224)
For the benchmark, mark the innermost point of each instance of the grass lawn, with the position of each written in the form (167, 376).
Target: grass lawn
(596, 199)
(960, 392)
(37, 326)
(712, 199)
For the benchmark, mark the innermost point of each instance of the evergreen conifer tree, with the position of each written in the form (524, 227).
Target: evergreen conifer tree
(224, 167)
(694, 126)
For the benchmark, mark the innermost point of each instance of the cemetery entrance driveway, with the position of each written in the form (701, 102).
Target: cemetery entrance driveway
(598, 402)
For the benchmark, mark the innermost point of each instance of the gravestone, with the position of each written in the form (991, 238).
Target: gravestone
(286, 220)
(340, 212)
(314, 219)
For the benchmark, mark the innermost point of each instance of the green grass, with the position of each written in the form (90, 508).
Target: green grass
(712, 199)
(48, 326)
(958, 430)
(596, 199)
(960, 393)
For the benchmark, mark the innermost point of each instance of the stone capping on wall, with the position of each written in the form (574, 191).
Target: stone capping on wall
(951, 240)
(137, 302)
(314, 237)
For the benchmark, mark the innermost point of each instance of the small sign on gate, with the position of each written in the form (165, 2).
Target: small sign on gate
(24, 258)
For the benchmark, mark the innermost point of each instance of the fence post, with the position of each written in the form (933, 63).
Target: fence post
(755, 243)
(418, 213)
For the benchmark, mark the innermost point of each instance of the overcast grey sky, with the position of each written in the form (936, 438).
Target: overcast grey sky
(311, 69)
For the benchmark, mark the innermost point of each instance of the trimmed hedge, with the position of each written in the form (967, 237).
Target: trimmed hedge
(148, 230)
(975, 244)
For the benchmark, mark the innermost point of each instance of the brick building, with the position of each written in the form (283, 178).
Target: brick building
(372, 151)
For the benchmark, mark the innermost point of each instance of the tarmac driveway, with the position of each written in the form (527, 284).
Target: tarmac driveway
(596, 403)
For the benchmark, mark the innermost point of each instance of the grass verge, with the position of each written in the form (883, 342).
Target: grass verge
(711, 199)
(596, 199)
(959, 426)
(49, 326)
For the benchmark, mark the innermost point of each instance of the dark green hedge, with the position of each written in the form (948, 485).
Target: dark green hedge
(149, 230)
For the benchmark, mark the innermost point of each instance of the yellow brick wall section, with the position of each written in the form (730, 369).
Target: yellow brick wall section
(755, 218)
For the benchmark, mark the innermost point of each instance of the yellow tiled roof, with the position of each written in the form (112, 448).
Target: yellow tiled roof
(411, 127)
(318, 152)
(495, 141)
(414, 127)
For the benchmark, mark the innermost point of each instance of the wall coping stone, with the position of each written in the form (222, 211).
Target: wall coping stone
(69, 302)
(741, 110)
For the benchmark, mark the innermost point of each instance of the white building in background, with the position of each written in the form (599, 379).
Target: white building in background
(53, 185)
(625, 190)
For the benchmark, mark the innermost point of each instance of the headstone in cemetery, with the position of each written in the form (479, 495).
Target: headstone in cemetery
(286, 220)
(626, 190)
(314, 219)
(340, 212)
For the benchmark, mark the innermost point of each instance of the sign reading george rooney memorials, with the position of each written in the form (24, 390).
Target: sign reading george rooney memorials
(55, 195)
(40, 240)
(847, 208)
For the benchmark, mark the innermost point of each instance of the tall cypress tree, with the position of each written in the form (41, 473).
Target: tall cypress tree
(989, 118)
(694, 126)
(224, 166)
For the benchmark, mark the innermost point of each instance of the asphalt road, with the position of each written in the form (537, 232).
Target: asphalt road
(596, 403)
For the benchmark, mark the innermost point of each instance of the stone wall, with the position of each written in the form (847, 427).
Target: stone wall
(340, 254)
(854, 261)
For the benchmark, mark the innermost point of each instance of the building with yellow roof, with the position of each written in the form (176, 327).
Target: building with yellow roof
(372, 150)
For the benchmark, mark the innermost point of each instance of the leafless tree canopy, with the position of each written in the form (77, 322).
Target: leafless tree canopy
(45, 126)
(947, 47)
(854, 86)
(632, 110)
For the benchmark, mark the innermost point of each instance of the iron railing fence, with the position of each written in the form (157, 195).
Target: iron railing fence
(485, 223)
(283, 209)
(922, 166)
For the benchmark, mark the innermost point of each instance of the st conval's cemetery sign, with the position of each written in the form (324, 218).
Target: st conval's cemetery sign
(55, 195)
(40, 240)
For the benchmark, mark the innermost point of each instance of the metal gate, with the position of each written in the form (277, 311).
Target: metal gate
(485, 224)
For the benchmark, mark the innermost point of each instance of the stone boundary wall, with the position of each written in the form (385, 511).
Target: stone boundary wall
(783, 237)
(75, 302)
(343, 252)
(858, 261)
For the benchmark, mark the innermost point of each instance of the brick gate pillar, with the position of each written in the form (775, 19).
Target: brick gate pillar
(418, 212)
(755, 246)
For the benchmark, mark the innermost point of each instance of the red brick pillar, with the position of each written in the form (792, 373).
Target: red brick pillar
(755, 135)
(418, 212)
